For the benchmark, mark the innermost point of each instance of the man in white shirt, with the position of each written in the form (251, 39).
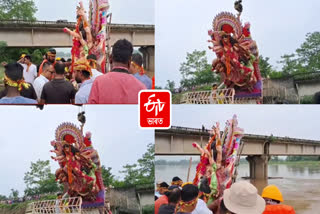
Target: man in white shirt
(45, 76)
(29, 70)
(201, 208)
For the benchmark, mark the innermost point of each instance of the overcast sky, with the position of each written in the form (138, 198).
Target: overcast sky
(26, 133)
(279, 27)
(296, 121)
(123, 11)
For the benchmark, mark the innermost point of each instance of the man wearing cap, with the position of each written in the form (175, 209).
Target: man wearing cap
(117, 86)
(92, 59)
(136, 68)
(164, 191)
(82, 72)
(14, 83)
(241, 198)
(272, 195)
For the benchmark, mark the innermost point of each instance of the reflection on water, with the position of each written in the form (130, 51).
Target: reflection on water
(300, 184)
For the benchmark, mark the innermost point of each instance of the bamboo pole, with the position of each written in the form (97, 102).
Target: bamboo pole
(190, 162)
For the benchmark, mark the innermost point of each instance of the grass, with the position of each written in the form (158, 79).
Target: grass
(14, 207)
(176, 98)
(1, 77)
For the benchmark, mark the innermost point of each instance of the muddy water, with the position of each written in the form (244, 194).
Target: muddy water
(300, 184)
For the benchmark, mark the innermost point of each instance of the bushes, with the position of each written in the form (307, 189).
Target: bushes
(149, 209)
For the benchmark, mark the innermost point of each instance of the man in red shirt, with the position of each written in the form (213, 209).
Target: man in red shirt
(117, 86)
(164, 198)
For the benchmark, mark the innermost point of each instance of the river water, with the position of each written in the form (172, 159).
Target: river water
(299, 184)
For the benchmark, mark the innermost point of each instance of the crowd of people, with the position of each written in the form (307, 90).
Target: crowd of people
(241, 198)
(60, 81)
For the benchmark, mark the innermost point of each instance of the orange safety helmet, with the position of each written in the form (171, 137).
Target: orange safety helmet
(272, 192)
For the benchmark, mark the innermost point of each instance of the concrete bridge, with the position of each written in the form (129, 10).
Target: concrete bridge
(17, 33)
(257, 148)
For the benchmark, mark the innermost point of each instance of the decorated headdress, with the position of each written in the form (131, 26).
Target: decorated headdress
(176, 181)
(184, 203)
(70, 133)
(228, 23)
(92, 59)
(51, 52)
(137, 61)
(14, 69)
(17, 84)
(141, 69)
(81, 65)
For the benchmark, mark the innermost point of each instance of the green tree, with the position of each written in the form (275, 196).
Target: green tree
(309, 53)
(14, 194)
(196, 70)
(108, 178)
(265, 66)
(3, 198)
(289, 64)
(146, 164)
(170, 86)
(141, 172)
(9, 54)
(132, 174)
(18, 9)
(40, 180)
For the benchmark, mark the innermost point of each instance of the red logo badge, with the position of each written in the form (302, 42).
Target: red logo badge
(155, 109)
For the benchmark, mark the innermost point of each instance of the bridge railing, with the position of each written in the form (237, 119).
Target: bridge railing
(62, 24)
(24, 22)
(180, 128)
(68, 205)
(219, 96)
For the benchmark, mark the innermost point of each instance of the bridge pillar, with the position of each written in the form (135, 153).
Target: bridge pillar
(258, 165)
(148, 59)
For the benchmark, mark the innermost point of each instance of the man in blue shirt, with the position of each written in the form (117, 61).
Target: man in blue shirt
(14, 82)
(138, 72)
(83, 75)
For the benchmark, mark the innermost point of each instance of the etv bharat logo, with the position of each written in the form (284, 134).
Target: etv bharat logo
(157, 107)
